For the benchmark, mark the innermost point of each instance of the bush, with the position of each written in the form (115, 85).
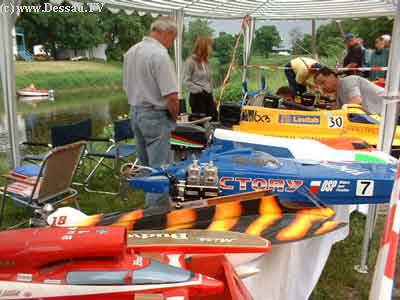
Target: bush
(114, 54)
(232, 93)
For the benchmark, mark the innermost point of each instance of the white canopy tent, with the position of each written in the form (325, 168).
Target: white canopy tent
(226, 9)
(262, 9)
(7, 75)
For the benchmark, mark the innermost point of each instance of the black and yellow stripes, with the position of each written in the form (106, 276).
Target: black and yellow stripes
(262, 216)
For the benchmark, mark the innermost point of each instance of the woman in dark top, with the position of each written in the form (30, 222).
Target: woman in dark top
(198, 79)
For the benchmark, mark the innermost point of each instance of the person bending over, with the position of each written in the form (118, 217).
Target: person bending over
(352, 89)
(299, 72)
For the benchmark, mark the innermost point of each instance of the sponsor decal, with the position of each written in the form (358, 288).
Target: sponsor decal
(300, 119)
(9, 293)
(343, 186)
(7, 263)
(174, 236)
(24, 277)
(72, 231)
(254, 116)
(361, 129)
(196, 203)
(179, 236)
(52, 281)
(340, 186)
(260, 184)
(102, 230)
(329, 185)
(216, 240)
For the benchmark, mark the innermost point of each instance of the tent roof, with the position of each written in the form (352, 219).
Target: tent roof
(263, 9)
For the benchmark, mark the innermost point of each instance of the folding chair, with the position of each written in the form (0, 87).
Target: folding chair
(117, 153)
(51, 185)
(62, 135)
(255, 98)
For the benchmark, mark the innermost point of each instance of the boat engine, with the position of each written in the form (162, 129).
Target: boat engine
(201, 182)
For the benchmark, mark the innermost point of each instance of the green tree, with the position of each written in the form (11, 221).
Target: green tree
(122, 31)
(223, 47)
(75, 30)
(196, 28)
(303, 45)
(330, 40)
(368, 29)
(332, 47)
(72, 30)
(266, 37)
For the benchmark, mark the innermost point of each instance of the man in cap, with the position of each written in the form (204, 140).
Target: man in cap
(355, 54)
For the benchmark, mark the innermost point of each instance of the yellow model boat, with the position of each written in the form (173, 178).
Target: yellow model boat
(350, 121)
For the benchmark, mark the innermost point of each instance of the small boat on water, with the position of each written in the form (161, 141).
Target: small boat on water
(32, 91)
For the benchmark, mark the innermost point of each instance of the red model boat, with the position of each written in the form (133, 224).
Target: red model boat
(102, 263)
(32, 91)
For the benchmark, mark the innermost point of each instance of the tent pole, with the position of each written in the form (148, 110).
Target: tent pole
(248, 41)
(7, 69)
(179, 15)
(314, 38)
(387, 127)
(339, 24)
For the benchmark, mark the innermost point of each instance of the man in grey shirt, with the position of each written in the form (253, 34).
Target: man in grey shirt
(351, 90)
(150, 83)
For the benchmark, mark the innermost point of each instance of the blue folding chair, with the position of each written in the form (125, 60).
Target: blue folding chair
(118, 152)
(252, 98)
(61, 135)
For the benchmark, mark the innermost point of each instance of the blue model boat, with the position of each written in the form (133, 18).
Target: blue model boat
(218, 173)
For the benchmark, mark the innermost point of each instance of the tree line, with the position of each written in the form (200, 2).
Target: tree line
(330, 40)
(76, 30)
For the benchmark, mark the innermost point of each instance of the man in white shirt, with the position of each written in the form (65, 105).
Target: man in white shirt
(151, 86)
(351, 90)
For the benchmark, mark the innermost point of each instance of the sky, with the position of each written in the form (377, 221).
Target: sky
(284, 27)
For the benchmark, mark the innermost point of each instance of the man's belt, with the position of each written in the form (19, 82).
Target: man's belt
(149, 108)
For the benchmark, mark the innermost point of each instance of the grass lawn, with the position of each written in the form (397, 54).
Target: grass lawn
(27, 68)
(67, 75)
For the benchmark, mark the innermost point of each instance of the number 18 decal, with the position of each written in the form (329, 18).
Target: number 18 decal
(365, 188)
(335, 122)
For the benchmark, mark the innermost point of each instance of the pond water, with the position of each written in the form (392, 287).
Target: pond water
(35, 119)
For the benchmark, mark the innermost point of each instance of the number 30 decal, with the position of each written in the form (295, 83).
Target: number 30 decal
(335, 122)
(365, 188)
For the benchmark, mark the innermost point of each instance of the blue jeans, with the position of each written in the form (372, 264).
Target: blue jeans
(152, 130)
